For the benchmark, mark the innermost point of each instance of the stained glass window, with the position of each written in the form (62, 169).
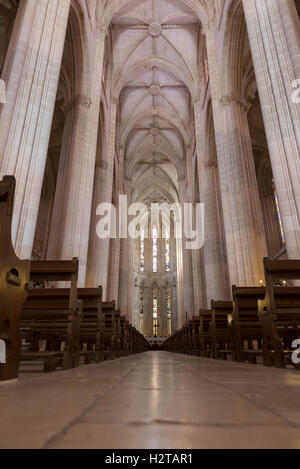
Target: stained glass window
(155, 312)
(279, 214)
(142, 253)
(155, 249)
(167, 252)
(169, 319)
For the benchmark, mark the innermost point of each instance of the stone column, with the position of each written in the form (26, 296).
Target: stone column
(215, 263)
(2, 92)
(244, 229)
(188, 284)
(100, 248)
(217, 284)
(125, 288)
(148, 311)
(180, 318)
(74, 193)
(273, 28)
(196, 255)
(118, 245)
(174, 308)
(31, 72)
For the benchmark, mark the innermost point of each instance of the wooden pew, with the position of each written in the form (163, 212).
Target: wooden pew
(141, 344)
(53, 315)
(195, 340)
(187, 338)
(220, 328)
(126, 337)
(175, 342)
(14, 278)
(205, 336)
(246, 327)
(183, 340)
(279, 311)
(92, 327)
(169, 344)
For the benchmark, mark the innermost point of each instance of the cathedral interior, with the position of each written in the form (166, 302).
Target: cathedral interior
(122, 341)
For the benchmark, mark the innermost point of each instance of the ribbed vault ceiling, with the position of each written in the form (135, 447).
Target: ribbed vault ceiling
(155, 60)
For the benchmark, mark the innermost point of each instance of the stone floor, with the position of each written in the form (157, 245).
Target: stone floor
(155, 400)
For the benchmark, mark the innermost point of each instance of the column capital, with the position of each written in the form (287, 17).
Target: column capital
(244, 103)
(103, 165)
(80, 100)
(208, 27)
(2, 92)
(102, 29)
(114, 99)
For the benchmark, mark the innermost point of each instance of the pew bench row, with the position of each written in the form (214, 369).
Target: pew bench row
(258, 322)
(61, 326)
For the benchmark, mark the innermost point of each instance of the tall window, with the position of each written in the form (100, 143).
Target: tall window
(169, 319)
(155, 249)
(142, 253)
(167, 252)
(155, 312)
(278, 214)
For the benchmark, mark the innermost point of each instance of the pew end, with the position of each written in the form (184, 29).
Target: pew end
(14, 280)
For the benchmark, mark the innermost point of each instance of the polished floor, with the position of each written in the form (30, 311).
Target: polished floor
(155, 400)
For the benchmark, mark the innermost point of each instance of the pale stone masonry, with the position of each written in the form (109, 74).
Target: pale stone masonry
(273, 28)
(31, 71)
(165, 102)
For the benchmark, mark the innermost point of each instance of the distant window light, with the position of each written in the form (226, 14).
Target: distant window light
(155, 312)
(168, 265)
(142, 253)
(169, 318)
(155, 249)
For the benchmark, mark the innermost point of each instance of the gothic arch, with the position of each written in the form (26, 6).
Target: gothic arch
(163, 149)
(147, 63)
(237, 67)
(158, 112)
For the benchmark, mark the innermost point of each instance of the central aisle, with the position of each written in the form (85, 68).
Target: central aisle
(154, 400)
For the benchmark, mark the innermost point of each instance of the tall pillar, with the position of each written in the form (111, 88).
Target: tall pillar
(180, 318)
(100, 248)
(74, 193)
(31, 72)
(187, 264)
(125, 288)
(114, 266)
(215, 263)
(217, 284)
(244, 229)
(196, 255)
(273, 28)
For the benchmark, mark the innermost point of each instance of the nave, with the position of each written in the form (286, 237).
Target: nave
(155, 400)
(181, 111)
